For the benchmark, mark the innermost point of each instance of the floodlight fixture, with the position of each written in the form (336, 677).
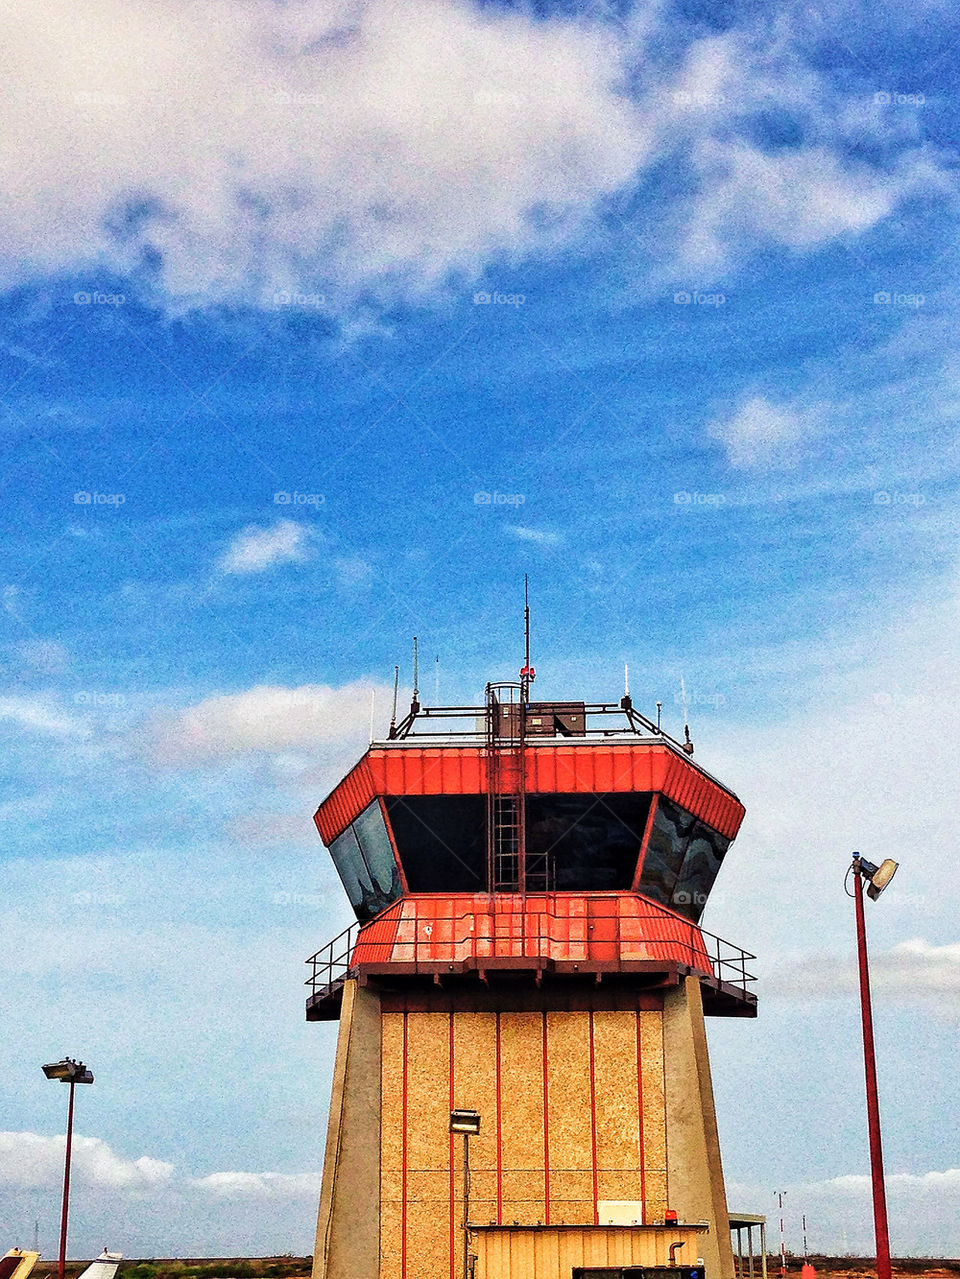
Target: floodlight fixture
(465, 1121)
(878, 876)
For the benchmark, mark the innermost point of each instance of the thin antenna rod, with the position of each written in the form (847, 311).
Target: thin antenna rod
(415, 700)
(393, 713)
(373, 707)
(687, 744)
(528, 674)
(626, 680)
(436, 683)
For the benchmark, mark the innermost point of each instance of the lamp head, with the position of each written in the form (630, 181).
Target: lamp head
(465, 1121)
(878, 876)
(68, 1071)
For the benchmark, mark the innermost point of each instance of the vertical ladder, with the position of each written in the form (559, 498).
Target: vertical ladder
(506, 807)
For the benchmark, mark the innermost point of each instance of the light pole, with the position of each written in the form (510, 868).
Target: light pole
(467, 1122)
(781, 1194)
(69, 1072)
(877, 878)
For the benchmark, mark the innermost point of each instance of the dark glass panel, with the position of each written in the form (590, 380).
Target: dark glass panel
(441, 840)
(586, 843)
(669, 836)
(704, 854)
(365, 863)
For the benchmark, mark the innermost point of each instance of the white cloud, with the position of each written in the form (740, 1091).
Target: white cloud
(39, 715)
(261, 1185)
(30, 1160)
(365, 147)
(542, 537)
(258, 147)
(266, 718)
(255, 549)
(909, 970)
(760, 432)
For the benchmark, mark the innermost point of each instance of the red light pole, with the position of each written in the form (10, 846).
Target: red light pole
(69, 1072)
(878, 878)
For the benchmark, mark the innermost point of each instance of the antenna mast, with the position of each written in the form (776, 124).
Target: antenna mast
(528, 674)
(415, 701)
(393, 714)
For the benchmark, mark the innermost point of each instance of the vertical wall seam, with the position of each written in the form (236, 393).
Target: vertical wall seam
(593, 1128)
(499, 1136)
(452, 1180)
(546, 1131)
(403, 1158)
(640, 1146)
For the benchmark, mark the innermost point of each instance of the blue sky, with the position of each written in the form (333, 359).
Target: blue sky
(712, 401)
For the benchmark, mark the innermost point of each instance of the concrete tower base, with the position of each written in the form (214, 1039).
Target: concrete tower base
(597, 1116)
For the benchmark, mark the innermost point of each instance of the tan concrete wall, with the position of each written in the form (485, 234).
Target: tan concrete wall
(694, 1171)
(348, 1226)
(572, 1113)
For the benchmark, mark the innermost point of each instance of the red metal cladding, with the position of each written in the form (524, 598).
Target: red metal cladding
(592, 928)
(589, 767)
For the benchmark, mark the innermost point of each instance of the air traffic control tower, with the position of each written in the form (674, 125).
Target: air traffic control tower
(528, 879)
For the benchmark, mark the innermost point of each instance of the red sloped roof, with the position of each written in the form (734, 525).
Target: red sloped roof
(571, 768)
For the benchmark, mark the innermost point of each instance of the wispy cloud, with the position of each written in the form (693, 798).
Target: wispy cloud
(540, 536)
(760, 433)
(253, 549)
(38, 714)
(267, 718)
(909, 970)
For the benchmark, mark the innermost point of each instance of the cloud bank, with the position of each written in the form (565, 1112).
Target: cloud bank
(316, 153)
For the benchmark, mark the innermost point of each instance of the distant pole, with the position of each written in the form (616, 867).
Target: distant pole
(783, 1247)
(805, 1258)
(66, 1185)
(873, 1102)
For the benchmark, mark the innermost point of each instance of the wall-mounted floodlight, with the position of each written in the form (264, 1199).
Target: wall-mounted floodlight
(465, 1121)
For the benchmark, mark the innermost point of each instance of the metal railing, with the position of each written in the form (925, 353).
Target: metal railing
(540, 932)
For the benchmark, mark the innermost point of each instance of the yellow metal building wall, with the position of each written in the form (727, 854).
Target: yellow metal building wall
(548, 1253)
